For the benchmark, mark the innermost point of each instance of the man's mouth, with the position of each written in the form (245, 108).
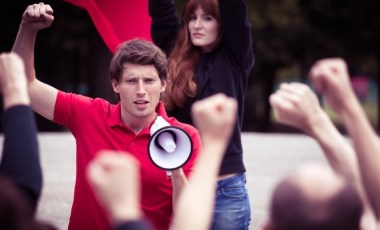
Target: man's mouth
(141, 102)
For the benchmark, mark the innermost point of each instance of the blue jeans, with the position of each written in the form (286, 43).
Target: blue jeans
(232, 210)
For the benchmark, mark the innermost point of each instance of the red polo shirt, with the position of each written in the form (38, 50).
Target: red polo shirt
(96, 124)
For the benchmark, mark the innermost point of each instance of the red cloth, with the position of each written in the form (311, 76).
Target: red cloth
(96, 124)
(118, 20)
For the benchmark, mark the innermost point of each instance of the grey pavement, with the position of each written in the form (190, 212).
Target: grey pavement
(267, 156)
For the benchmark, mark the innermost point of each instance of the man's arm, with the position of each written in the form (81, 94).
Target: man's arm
(35, 17)
(332, 79)
(296, 105)
(214, 117)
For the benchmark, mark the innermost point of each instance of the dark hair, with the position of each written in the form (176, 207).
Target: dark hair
(184, 56)
(291, 210)
(139, 52)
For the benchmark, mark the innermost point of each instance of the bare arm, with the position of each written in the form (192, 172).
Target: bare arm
(42, 96)
(367, 146)
(179, 181)
(332, 79)
(12, 81)
(214, 117)
(296, 105)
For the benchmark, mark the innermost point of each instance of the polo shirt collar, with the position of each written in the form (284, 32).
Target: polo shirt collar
(160, 110)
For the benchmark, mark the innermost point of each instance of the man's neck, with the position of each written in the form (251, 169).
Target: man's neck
(137, 124)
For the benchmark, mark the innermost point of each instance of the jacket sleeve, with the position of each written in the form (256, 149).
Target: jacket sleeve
(20, 161)
(237, 32)
(164, 24)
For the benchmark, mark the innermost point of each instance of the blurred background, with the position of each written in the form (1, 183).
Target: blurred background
(288, 36)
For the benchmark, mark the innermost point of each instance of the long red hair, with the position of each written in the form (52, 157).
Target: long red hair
(184, 56)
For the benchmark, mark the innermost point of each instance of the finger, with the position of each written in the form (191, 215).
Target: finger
(279, 102)
(294, 88)
(288, 95)
(42, 8)
(36, 10)
(49, 9)
(29, 12)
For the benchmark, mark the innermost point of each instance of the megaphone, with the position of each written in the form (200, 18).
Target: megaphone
(170, 147)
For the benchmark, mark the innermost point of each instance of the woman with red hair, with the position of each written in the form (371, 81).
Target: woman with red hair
(210, 51)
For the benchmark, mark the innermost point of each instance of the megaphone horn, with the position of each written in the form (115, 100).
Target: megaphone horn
(166, 140)
(170, 148)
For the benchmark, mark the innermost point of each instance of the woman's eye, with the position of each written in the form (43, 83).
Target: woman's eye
(209, 18)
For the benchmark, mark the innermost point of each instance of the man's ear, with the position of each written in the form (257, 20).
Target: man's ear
(163, 86)
(115, 85)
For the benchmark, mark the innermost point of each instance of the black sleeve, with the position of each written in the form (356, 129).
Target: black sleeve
(135, 225)
(20, 159)
(237, 32)
(165, 24)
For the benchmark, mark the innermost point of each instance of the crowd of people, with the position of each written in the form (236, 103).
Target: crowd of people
(197, 70)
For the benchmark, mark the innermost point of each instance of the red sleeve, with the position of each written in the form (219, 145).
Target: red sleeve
(69, 109)
(118, 20)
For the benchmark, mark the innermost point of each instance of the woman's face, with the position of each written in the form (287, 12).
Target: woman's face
(203, 29)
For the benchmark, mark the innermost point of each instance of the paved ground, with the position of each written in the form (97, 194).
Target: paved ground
(267, 156)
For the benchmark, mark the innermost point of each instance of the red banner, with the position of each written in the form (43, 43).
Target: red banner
(118, 20)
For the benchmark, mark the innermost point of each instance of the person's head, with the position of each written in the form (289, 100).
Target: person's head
(201, 23)
(138, 73)
(314, 198)
(200, 31)
(138, 52)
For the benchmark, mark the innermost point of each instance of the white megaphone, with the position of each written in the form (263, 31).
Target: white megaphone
(170, 147)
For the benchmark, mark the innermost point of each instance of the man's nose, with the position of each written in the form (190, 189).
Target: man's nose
(140, 88)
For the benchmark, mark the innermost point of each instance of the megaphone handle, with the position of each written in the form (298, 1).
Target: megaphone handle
(168, 174)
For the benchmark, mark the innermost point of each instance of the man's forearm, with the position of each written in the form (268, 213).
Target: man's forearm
(24, 47)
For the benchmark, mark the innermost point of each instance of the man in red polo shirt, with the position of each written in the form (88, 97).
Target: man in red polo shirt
(138, 76)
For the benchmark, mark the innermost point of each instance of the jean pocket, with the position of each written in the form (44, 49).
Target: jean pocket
(234, 192)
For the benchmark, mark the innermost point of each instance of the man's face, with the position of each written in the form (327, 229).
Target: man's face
(139, 88)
